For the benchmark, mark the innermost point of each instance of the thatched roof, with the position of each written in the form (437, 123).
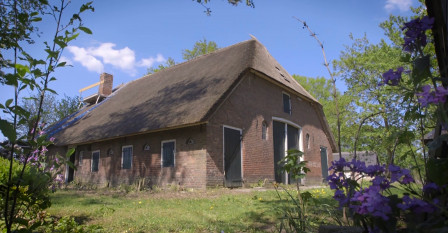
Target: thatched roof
(182, 95)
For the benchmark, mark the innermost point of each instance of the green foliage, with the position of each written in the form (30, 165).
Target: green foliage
(437, 170)
(169, 62)
(52, 110)
(320, 88)
(33, 193)
(200, 48)
(293, 166)
(67, 224)
(361, 66)
(233, 2)
(23, 72)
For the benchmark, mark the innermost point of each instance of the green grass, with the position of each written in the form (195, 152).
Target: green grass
(213, 210)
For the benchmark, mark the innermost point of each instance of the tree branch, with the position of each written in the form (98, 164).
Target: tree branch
(335, 97)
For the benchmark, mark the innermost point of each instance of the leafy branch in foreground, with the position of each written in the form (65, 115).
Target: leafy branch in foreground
(25, 72)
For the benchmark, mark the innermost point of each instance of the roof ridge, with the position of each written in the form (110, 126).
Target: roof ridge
(202, 56)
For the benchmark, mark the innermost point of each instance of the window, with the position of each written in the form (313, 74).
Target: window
(168, 153)
(286, 103)
(264, 130)
(81, 154)
(95, 160)
(307, 141)
(126, 157)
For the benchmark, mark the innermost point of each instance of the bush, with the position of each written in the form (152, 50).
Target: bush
(68, 224)
(32, 195)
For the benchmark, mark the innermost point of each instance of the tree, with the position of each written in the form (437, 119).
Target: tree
(320, 88)
(386, 116)
(66, 106)
(169, 62)
(208, 11)
(53, 109)
(21, 71)
(200, 48)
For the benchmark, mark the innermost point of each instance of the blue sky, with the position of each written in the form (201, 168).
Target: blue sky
(128, 38)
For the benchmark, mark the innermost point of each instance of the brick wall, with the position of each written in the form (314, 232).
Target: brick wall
(253, 101)
(199, 164)
(189, 169)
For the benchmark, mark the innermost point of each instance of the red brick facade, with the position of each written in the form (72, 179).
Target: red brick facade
(253, 101)
(199, 149)
(189, 169)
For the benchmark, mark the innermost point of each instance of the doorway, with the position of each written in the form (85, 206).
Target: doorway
(232, 157)
(286, 137)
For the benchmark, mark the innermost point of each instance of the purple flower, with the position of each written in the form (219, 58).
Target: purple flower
(339, 196)
(416, 205)
(381, 181)
(357, 166)
(339, 165)
(52, 139)
(370, 202)
(429, 96)
(440, 94)
(337, 180)
(415, 32)
(391, 77)
(430, 187)
(425, 97)
(397, 173)
(44, 149)
(59, 178)
(407, 179)
(373, 170)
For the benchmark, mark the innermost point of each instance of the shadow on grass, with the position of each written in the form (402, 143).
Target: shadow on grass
(82, 219)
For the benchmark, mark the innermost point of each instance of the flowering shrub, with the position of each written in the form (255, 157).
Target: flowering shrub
(376, 207)
(40, 177)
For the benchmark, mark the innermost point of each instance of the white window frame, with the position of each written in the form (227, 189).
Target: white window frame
(288, 122)
(122, 155)
(241, 149)
(80, 157)
(91, 160)
(264, 123)
(161, 152)
(290, 104)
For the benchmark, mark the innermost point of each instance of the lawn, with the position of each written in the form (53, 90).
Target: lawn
(211, 210)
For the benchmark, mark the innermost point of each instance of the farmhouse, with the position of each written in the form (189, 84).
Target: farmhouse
(225, 118)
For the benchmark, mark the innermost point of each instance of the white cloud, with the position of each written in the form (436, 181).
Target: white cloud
(67, 61)
(82, 56)
(148, 62)
(402, 5)
(123, 59)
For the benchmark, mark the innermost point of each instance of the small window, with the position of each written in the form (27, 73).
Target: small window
(307, 141)
(264, 130)
(95, 160)
(168, 153)
(286, 103)
(126, 157)
(81, 154)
